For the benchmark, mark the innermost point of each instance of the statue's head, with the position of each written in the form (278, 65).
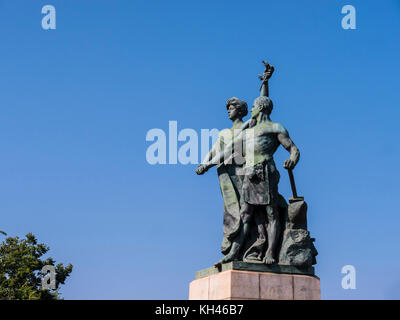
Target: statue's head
(237, 109)
(261, 104)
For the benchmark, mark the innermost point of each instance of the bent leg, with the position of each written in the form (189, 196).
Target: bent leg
(246, 214)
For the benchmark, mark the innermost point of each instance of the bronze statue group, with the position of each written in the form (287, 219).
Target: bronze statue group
(259, 225)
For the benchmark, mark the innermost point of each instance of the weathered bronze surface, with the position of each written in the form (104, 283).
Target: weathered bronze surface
(255, 267)
(259, 226)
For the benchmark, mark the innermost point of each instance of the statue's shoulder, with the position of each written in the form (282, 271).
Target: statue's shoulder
(225, 134)
(278, 127)
(273, 127)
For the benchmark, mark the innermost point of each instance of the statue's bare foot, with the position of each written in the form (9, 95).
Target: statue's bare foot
(226, 259)
(269, 260)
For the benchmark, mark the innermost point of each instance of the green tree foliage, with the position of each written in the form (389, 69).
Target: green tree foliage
(20, 270)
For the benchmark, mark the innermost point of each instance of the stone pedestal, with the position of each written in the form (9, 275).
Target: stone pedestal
(234, 283)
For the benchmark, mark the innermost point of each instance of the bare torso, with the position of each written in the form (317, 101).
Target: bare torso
(262, 142)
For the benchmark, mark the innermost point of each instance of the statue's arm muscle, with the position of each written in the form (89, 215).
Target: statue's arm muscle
(213, 150)
(288, 144)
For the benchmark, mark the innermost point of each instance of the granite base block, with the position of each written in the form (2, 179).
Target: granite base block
(251, 285)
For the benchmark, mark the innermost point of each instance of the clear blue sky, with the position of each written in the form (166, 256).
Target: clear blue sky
(76, 104)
